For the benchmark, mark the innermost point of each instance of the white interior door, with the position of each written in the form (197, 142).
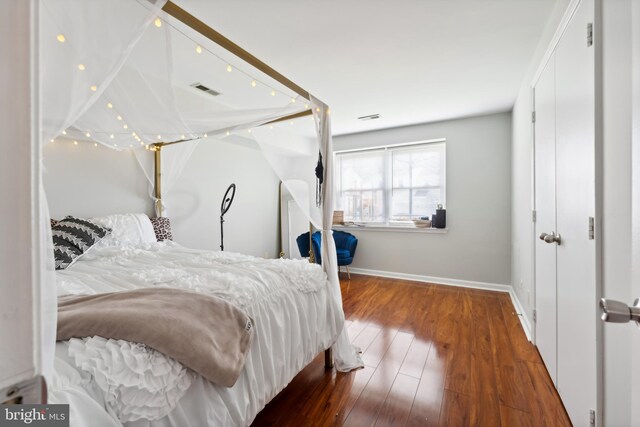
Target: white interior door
(545, 205)
(575, 204)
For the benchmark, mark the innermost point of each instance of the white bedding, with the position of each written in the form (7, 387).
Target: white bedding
(295, 319)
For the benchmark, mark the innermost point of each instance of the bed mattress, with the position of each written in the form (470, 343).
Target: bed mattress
(114, 382)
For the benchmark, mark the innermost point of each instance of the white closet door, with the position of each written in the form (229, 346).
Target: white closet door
(545, 205)
(575, 203)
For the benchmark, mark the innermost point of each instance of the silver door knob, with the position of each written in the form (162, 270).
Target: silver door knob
(618, 312)
(550, 238)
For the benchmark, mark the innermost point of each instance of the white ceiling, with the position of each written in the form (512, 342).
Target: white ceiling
(412, 61)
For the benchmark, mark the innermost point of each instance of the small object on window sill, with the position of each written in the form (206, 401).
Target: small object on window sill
(440, 220)
(338, 217)
(422, 223)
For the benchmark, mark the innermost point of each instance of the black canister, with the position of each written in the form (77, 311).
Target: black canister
(440, 218)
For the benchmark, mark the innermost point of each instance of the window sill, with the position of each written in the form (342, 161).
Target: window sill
(392, 228)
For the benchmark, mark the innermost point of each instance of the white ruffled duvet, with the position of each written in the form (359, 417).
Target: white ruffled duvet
(115, 382)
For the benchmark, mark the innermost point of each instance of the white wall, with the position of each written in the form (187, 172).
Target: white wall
(616, 38)
(90, 181)
(19, 180)
(477, 246)
(522, 173)
(251, 224)
(87, 181)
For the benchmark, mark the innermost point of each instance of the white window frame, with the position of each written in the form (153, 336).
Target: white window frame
(388, 178)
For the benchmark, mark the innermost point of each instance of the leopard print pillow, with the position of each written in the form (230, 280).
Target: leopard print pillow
(162, 228)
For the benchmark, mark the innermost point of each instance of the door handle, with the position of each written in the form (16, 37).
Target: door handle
(550, 238)
(618, 312)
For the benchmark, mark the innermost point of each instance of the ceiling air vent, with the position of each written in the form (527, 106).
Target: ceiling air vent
(205, 89)
(370, 117)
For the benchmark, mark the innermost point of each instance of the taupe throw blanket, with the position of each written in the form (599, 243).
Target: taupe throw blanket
(202, 332)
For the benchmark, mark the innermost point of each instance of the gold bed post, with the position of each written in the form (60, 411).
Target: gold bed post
(279, 227)
(328, 358)
(157, 177)
(312, 257)
(328, 353)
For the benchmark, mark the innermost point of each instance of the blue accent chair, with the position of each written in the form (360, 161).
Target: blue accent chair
(346, 244)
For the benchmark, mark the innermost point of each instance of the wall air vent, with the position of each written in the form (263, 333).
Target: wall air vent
(370, 117)
(205, 89)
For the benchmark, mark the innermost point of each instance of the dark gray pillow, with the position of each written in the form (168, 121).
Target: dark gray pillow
(72, 237)
(162, 228)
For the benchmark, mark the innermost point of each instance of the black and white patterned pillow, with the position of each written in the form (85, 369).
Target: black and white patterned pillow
(162, 228)
(72, 237)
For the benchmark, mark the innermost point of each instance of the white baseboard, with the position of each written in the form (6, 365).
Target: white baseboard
(431, 279)
(524, 320)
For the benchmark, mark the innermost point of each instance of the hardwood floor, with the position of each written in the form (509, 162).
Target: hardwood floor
(434, 356)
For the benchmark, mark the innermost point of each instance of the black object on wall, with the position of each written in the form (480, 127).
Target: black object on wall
(224, 207)
(440, 218)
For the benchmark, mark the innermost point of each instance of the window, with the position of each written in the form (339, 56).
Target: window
(391, 185)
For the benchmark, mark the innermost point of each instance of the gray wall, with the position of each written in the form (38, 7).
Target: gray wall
(251, 224)
(90, 181)
(477, 246)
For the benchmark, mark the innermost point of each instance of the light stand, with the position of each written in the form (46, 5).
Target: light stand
(224, 207)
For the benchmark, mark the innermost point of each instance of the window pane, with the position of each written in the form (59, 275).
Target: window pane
(424, 202)
(351, 205)
(401, 167)
(361, 185)
(425, 168)
(362, 170)
(372, 206)
(366, 205)
(417, 167)
(400, 204)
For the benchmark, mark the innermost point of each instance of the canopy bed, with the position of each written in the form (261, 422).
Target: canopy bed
(148, 76)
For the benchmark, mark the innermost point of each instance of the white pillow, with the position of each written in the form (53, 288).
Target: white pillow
(126, 230)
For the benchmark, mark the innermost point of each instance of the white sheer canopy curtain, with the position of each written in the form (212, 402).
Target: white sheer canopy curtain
(291, 148)
(347, 357)
(80, 51)
(83, 46)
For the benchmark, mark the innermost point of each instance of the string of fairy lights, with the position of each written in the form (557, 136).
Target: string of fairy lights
(147, 140)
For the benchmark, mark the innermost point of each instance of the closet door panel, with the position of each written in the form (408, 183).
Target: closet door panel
(545, 205)
(575, 203)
